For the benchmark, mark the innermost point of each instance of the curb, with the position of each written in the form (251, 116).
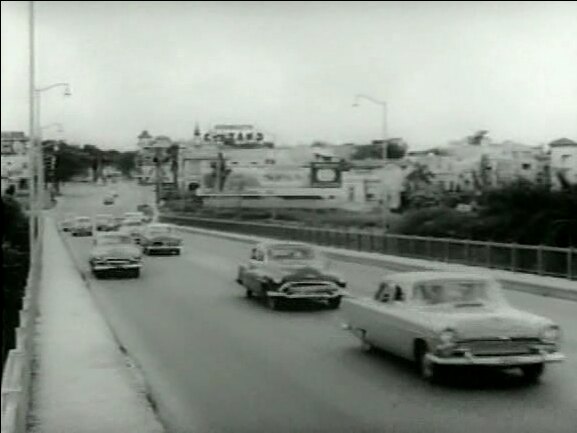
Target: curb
(545, 288)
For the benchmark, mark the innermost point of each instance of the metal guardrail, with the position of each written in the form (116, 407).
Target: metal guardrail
(17, 373)
(541, 260)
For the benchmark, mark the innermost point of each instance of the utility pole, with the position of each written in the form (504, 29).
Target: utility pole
(33, 164)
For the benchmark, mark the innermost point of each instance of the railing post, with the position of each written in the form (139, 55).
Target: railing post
(488, 244)
(513, 254)
(446, 249)
(467, 243)
(540, 259)
(570, 262)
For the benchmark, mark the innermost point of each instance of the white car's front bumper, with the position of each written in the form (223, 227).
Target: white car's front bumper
(497, 361)
(107, 267)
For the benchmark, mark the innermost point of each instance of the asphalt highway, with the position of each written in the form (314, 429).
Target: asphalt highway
(217, 362)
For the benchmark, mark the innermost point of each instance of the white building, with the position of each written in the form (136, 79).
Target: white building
(563, 162)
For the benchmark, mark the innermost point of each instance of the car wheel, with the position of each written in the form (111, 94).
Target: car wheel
(135, 273)
(273, 303)
(145, 251)
(532, 373)
(334, 303)
(248, 293)
(366, 346)
(177, 252)
(428, 370)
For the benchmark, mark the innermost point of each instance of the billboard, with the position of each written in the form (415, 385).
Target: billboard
(236, 136)
(326, 175)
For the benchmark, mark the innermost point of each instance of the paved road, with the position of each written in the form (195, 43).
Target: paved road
(217, 362)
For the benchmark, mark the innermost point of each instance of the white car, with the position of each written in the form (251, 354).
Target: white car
(451, 319)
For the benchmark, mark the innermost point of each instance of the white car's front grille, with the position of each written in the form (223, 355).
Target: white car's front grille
(492, 347)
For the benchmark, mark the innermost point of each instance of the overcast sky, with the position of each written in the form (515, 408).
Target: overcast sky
(446, 69)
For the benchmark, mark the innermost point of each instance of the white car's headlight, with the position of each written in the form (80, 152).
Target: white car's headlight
(276, 280)
(551, 334)
(447, 336)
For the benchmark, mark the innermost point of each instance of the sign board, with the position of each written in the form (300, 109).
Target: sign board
(326, 175)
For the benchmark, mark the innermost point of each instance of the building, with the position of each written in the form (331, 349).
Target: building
(15, 162)
(563, 153)
(465, 167)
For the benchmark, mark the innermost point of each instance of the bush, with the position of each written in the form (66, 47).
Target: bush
(15, 259)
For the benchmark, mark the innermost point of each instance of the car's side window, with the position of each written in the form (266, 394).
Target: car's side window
(257, 255)
(384, 293)
(399, 294)
(253, 254)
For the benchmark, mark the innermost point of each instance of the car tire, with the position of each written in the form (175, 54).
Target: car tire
(98, 274)
(334, 303)
(273, 303)
(248, 293)
(177, 252)
(366, 345)
(135, 273)
(532, 373)
(428, 370)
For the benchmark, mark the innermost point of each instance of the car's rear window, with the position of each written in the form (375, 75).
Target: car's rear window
(114, 240)
(291, 252)
(132, 223)
(154, 231)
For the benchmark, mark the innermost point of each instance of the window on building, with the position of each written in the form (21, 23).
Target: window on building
(526, 166)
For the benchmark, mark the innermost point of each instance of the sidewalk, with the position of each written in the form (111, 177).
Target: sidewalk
(81, 383)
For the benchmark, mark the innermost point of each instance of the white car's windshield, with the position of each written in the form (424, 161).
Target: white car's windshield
(155, 231)
(291, 252)
(83, 220)
(113, 240)
(465, 292)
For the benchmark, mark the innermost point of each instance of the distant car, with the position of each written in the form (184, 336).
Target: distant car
(451, 319)
(81, 226)
(161, 238)
(132, 215)
(147, 210)
(67, 222)
(108, 200)
(115, 253)
(105, 223)
(133, 227)
(282, 272)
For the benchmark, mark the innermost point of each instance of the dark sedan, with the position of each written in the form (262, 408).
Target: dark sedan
(282, 272)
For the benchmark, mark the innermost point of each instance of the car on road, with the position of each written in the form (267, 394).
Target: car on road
(133, 226)
(81, 226)
(67, 222)
(108, 200)
(115, 253)
(133, 215)
(452, 319)
(283, 272)
(161, 238)
(147, 210)
(105, 223)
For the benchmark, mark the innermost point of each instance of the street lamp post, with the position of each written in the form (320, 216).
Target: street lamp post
(41, 193)
(385, 195)
(383, 104)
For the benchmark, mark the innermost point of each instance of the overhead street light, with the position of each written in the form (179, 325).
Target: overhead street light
(38, 135)
(383, 105)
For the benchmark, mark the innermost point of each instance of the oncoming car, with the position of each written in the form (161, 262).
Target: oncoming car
(81, 226)
(160, 238)
(67, 222)
(452, 319)
(133, 227)
(282, 272)
(105, 223)
(115, 253)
